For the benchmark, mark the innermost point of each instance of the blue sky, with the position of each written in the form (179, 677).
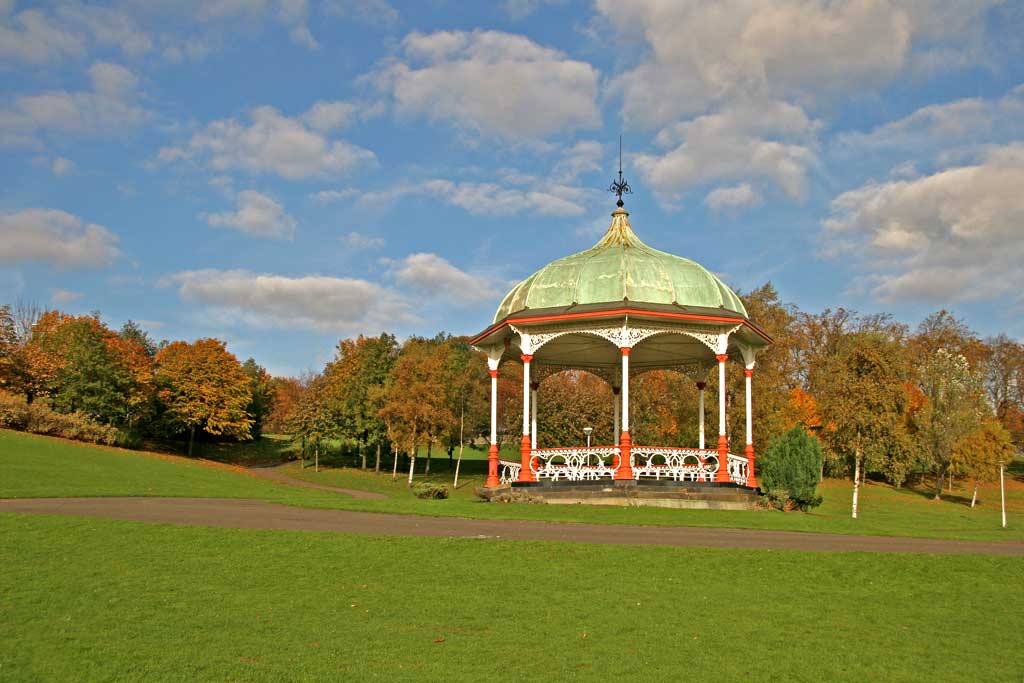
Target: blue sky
(284, 173)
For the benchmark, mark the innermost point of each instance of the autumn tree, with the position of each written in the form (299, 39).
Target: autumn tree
(953, 409)
(201, 386)
(862, 398)
(1003, 377)
(312, 421)
(287, 392)
(414, 399)
(467, 396)
(261, 395)
(8, 346)
(980, 454)
(569, 401)
(133, 332)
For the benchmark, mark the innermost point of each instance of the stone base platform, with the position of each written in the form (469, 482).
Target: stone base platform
(665, 494)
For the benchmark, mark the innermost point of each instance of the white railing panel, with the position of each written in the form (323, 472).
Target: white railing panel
(509, 471)
(574, 464)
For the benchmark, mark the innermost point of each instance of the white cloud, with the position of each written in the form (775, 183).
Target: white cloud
(703, 53)
(947, 237)
(310, 302)
(357, 241)
(771, 141)
(56, 238)
(32, 37)
(732, 197)
(62, 297)
(583, 157)
(520, 9)
(435, 277)
(492, 83)
(107, 26)
(270, 143)
(328, 116)
(478, 198)
(369, 12)
(109, 108)
(61, 166)
(257, 215)
(937, 126)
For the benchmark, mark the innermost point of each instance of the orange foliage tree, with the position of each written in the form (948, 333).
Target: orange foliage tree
(202, 386)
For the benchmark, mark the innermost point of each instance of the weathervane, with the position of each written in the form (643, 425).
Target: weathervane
(620, 187)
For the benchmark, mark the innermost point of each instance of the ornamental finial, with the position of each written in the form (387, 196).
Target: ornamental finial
(620, 187)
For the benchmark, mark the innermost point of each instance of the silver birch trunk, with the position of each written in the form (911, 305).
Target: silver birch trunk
(412, 459)
(974, 497)
(376, 466)
(458, 463)
(394, 466)
(856, 483)
(316, 457)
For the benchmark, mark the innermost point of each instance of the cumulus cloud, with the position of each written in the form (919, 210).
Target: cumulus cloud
(492, 83)
(310, 302)
(968, 120)
(63, 297)
(55, 238)
(110, 107)
(271, 143)
(732, 197)
(357, 241)
(478, 198)
(432, 275)
(582, 157)
(32, 37)
(771, 141)
(702, 53)
(951, 236)
(257, 215)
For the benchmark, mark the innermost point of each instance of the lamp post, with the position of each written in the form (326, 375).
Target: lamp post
(588, 431)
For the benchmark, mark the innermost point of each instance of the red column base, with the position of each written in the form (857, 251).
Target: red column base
(722, 476)
(751, 479)
(624, 466)
(492, 467)
(526, 455)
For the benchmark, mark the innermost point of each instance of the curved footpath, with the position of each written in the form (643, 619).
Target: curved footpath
(254, 514)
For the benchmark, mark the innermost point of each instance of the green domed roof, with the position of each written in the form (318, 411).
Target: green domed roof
(617, 268)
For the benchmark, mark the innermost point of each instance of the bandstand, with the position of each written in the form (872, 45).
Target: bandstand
(617, 310)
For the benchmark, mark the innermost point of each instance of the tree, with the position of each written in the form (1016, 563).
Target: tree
(287, 393)
(981, 454)
(790, 470)
(201, 386)
(1003, 368)
(863, 402)
(414, 399)
(261, 395)
(953, 409)
(8, 346)
(467, 397)
(312, 421)
(131, 331)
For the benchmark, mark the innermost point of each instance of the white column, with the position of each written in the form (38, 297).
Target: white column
(526, 394)
(625, 390)
(615, 403)
(533, 417)
(700, 412)
(750, 412)
(721, 395)
(494, 406)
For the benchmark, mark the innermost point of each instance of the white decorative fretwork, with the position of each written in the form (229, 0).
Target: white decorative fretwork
(738, 469)
(674, 464)
(622, 335)
(509, 471)
(574, 464)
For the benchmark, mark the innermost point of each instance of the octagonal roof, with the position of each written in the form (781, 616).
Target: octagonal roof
(620, 268)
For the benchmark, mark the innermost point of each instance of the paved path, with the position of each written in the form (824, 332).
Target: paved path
(275, 474)
(252, 514)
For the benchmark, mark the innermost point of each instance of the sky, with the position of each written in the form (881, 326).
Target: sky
(281, 174)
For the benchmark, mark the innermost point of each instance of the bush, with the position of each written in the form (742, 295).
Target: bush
(39, 418)
(430, 491)
(789, 471)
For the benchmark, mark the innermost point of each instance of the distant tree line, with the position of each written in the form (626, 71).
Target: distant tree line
(882, 400)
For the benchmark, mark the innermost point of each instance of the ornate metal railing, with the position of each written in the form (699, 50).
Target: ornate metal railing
(737, 469)
(509, 471)
(574, 464)
(675, 464)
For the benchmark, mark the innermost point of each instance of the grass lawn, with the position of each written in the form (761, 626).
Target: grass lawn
(94, 600)
(42, 466)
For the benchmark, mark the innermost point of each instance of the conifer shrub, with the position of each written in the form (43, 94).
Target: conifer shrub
(789, 471)
(430, 491)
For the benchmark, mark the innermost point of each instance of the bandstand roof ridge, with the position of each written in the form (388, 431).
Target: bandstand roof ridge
(620, 269)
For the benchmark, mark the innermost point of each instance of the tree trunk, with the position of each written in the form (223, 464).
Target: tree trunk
(412, 464)
(939, 480)
(302, 455)
(191, 439)
(458, 463)
(974, 498)
(376, 465)
(856, 482)
(430, 444)
(394, 467)
(362, 457)
(316, 456)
